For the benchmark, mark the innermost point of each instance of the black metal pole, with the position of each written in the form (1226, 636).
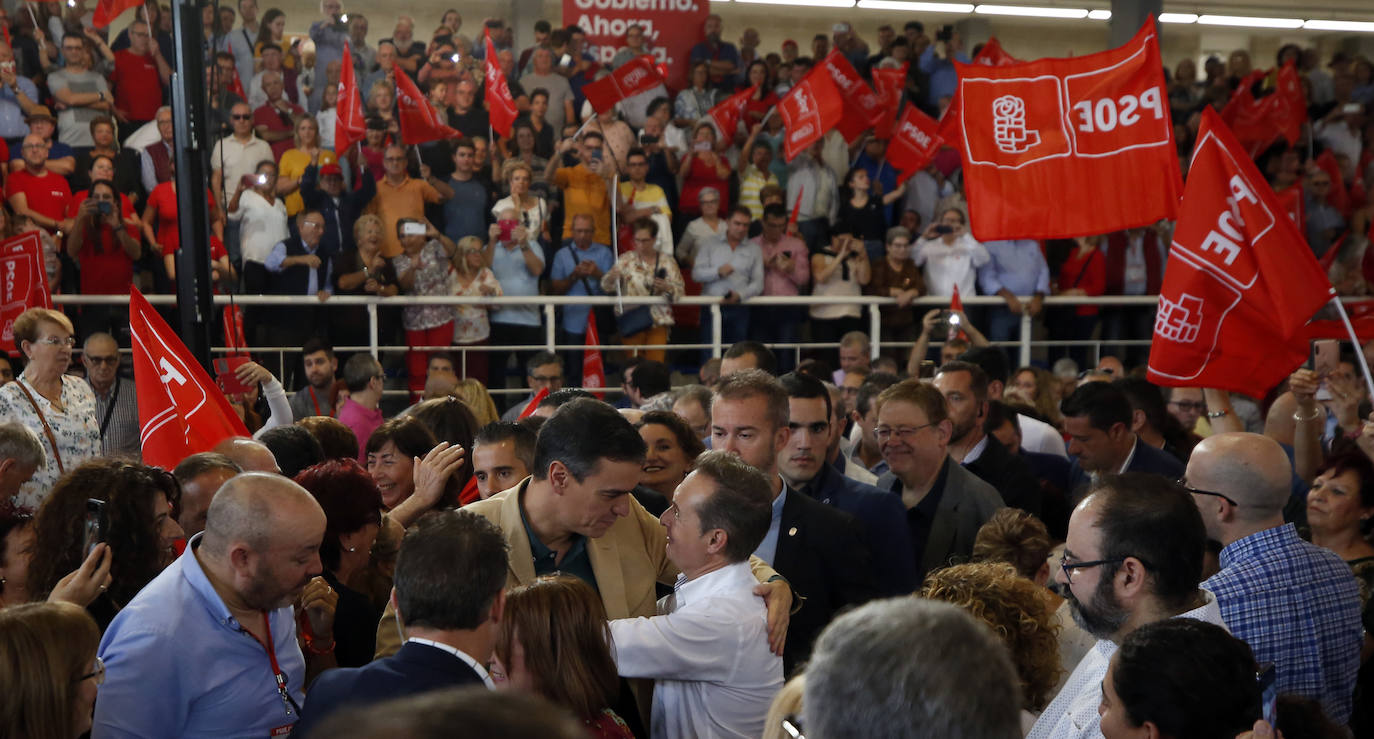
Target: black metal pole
(193, 143)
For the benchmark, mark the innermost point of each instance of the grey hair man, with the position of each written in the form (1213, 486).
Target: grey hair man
(905, 668)
(20, 455)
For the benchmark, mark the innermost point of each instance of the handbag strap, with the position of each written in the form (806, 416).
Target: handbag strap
(109, 409)
(47, 430)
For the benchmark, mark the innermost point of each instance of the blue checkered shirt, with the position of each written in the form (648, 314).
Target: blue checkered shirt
(1297, 605)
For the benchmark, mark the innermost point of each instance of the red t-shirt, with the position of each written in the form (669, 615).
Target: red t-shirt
(164, 197)
(105, 268)
(137, 86)
(126, 210)
(48, 194)
(268, 116)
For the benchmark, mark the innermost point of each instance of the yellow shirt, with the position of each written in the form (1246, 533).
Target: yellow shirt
(293, 163)
(584, 192)
(394, 202)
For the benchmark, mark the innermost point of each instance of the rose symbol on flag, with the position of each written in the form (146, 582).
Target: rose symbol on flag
(1009, 125)
(1181, 321)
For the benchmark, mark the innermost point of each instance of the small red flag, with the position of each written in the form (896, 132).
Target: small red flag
(1336, 196)
(1259, 122)
(889, 83)
(107, 10)
(350, 124)
(181, 411)
(631, 78)
(1240, 284)
(531, 406)
(23, 281)
(956, 304)
(727, 112)
(862, 107)
(796, 205)
(812, 107)
(500, 105)
(232, 318)
(420, 122)
(593, 371)
(915, 141)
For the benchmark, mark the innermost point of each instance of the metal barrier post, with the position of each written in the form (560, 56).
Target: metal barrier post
(373, 343)
(550, 327)
(715, 332)
(875, 324)
(1026, 331)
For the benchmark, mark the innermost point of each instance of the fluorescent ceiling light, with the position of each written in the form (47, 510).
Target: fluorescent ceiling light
(804, 3)
(1031, 12)
(1178, 18)
(1249, 21)
(1339, 26)
(1099, 15)
(921, 7)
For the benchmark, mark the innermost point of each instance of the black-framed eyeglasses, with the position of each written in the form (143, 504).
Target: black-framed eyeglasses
(98, 673)
(1189, 405)
(1195, 491)
(1069, 567)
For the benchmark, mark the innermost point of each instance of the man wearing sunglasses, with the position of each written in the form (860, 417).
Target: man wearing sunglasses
(1294, 603)
(116, 401)
(1133, 556)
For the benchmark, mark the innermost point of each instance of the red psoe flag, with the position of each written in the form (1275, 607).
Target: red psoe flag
(862, 107)
(726, 113)
(23, 281)
(915, 140)
(991, 55)
(500, 105)
(1259, 122)
(181, 410)
(107, 10)
(888, 83)
(1092, 132)
(1240, 284)
(631, 78)
(593, 371)
(812, 107)
(351, 123)
(420, 122)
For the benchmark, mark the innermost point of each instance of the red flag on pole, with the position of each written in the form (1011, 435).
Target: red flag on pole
(593, 371)
(796, 206)
(631, 78)
(23, 281)
(956, 305)
(530, 407)
(1240, 284)
(233, 330)
(1043, 133)
(812, 107)
(889, 83)
(107, 10)
(915, 140)
(862, 107)
(350, 124)
(991, 55)
(420, 122)
(500, 104)
(181, 411)
(1258, 122)
(726, 113)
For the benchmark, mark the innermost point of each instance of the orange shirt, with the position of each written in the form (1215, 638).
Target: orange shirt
(585, 192)
(394, 202)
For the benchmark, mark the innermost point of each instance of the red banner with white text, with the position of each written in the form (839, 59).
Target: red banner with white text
(23, 282)
(500, 104)
(631, 78)
(862, 107)
(1092, 131)
(671, 29)
(420, 122)
(813, 106)
(915, 140)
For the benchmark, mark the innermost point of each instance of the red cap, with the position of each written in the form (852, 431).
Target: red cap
(330, 169)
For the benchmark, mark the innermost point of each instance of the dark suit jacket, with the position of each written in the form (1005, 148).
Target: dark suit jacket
(1051, 471)
(966, 503)
(415, 669)
(1145, 459)
(883, 519)
(822, 553)
(1009, 475)
(338, 218)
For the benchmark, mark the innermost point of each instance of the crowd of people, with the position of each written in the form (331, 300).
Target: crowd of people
(919, 541)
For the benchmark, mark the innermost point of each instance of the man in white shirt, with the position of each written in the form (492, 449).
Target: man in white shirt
(708, 649)
(1133, 556)
(234, 157)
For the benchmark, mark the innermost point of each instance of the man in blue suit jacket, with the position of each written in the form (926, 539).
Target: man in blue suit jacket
(802, 463)
(450, 577)
(1097, 417)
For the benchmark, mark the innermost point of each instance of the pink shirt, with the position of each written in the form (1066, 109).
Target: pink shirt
(363, 422)
(785, 283)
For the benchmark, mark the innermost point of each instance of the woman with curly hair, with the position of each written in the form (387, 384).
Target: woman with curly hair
(49, 669)
(555, 642)
(1021, 613)
(135, 502)
(1036, 388)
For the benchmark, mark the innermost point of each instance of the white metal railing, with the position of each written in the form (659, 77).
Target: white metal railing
(712, 306)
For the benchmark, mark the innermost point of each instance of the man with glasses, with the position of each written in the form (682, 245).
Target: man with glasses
(300, 265)
(116, 400)
(1294, 603)
(577, 271)
(640, 198)
(730, 268)
(542, 371)
(945, 503)
(1133, 556)
(1187, 405)
(1097, 417)
(83, 94)
(37, 193)
(234, 158)
(18, 96)
(139, 74)
(399, 196)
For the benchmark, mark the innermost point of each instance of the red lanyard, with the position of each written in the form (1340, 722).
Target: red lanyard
(316, 401)
(287, 701)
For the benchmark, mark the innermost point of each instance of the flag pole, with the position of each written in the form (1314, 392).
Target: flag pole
(36, 26)
(1359, 348)
(768, 115)
(615, 226)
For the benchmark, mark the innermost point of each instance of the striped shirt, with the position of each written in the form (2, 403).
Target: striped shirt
(120, 436)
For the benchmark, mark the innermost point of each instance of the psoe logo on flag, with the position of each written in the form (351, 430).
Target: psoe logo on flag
(1179, 321)
(634, 77)
(1022, 124)
(915, 134)
(1193, 316)
(1009, 125)
(801, 132)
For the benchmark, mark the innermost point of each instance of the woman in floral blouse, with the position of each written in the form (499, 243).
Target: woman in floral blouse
(472, 278)
(423, 268)
(642, 272)
(58, 408)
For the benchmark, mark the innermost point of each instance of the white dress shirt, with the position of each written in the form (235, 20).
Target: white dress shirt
(708, 653)
(947, 265)
(1073, 713)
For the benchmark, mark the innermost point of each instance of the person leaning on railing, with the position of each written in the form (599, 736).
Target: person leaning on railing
(645, 272)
